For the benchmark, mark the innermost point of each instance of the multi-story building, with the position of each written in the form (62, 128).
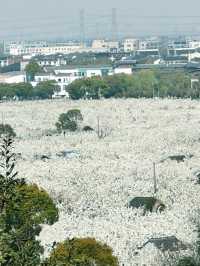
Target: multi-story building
(149, 44)
(11, 46)
(45, 50)
(130, 45)
(105, 46)
(66, 75)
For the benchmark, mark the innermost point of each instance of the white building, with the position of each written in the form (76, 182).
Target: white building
(13, 77)
(123, 70)
(130, 45)
(151, 44)
(21, 49)
(84, 71)
(105, 46)
(66, 75)
(62, 80)
(4, 61)
(192, 56)
(194, 44)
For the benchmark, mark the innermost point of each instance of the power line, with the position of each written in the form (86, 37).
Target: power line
(114, 24)
(82, 25)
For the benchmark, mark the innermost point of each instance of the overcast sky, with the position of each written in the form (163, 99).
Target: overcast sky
(39, 19)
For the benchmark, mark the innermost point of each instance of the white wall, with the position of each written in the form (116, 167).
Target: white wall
(123, 70)
(9, 79)
(93, 72)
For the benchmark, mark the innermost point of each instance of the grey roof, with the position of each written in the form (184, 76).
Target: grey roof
(80, 67)
(44, 74)
(169, 243)
(13, 73)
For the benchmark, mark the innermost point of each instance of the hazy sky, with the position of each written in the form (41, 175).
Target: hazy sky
(60, 18)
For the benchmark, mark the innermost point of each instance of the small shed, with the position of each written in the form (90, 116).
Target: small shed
(168, 243)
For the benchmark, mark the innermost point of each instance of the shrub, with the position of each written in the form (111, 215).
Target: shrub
(148, 203)
(88, 128)
(81, 252)
(69, 121)
(6, 129)
(187, 261)
(23, 208)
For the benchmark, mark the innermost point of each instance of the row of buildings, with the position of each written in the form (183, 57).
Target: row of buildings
(63, 75)
(129, 45)
(125, 57)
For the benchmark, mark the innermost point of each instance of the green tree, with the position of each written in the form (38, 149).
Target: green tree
(45, 89)
(69, 121)
(187, 261)
(117, 86)
(81, 252)
(7, 130)
(88, 88)
(23, 208)
(147, 83)
(32, 69)
(21, 90)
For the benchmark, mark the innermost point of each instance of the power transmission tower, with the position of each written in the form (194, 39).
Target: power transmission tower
(82, 26)
(114, 25)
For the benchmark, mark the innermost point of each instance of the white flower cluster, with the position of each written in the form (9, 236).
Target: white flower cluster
(92, 189)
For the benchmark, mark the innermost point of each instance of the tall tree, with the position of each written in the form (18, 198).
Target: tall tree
(31, 69)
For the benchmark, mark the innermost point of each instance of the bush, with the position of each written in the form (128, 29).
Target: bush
(69, 121)
(88, 128)
(145, 83)
(81, 252)
(87, 88)
(187, 261)
(6, 129)
(148, 203)
(23, 208)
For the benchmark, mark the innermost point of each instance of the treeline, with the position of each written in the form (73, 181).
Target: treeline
(25, 91)
(141, 84)
(146, 84)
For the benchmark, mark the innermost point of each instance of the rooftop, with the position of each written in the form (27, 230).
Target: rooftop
(12, 74)
(169, 243)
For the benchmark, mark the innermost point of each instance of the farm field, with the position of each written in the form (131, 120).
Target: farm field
(94, 183)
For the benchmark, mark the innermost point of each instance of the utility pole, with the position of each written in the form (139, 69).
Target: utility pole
(154, 178)
(82, 26)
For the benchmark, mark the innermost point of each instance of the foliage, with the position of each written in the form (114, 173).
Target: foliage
(148, 203)
(31, 69)
(81, 252)
(88, 88)
(45, 89)
(87, 128)
(96, 186)
(6, 130)
(23, 208)
(144, 83)
(25, 91)
(69, 121)
(191, 261)
(8, 180)
(187, 261)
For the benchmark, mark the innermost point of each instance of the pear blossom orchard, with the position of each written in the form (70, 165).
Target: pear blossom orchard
(93, 184)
